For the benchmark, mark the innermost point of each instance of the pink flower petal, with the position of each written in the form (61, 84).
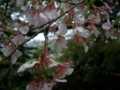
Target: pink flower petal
(78, 20)
(27, 65)
(17, 40)
(61, 80)
(62, 29)
(15, 56)
(24, 29)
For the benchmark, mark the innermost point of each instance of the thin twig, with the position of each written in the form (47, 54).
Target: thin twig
(21, 45)
(66, 2)
(112, 3)
(46, 38)
(40, 30)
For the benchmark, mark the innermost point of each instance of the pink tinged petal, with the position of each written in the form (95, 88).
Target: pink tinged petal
(59, 45)
(52, 14)
(85, 33)
(15, 56)
(76, 19)
(91, 16)
(65, 7)
(53, 64)
(43, 18)
(108, 33)
(24, 29)
(27, 65)
(32, 87)
(98, 20)
(106, 25)
(44, 86)
(7, 50)
(19, 2)
(80, 29)
(31, 18)
(61, 80)
(95, 31)
(62, 29)
(17, 40)
(63, 43)
(69, 71)
(85, 47)
(50, 85)
(36, 20)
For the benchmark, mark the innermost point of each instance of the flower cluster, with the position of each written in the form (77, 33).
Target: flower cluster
(59, 71)
(84, 20)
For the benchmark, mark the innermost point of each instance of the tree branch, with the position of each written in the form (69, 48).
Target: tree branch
(66, 2)
(112, 3)
(40, 30)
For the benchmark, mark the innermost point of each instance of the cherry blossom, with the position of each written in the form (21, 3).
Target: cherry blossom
(59, 43)
(46, 63)
(15, 56)
(8, 49)
(37, 18)
(19, 2)
(62, 29)
(81, 19)
(108, 27)
(94, 19)
(51, 14)
(27, 65)
(18, 39)
(61, 80)
(32, 86)
(63, 69)
(76, 19)
(81, 31)
(24, 29)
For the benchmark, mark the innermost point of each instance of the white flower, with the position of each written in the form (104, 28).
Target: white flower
(107, 25)
(51, 14)
(62, 29)
(31, 86)
(109, 28)
(53, 63)
(85, 47)
(81, 32)
(36, 18)
(24, 29)
(94, 30)
(66, 7)
(59, 44)
(15, 56)
(8, 49)
(76, 19)
(61, 80)
(19, 2)
(18, 39)
(69, 71)
(96, 19)
(27, 65)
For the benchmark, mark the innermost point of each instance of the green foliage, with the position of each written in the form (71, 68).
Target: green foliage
(97, 68)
